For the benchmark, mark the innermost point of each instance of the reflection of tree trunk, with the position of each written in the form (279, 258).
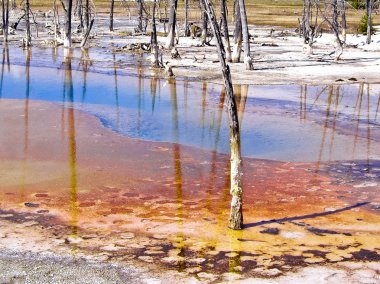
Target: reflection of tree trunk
(236, 217)
(177, 171)
(111, 14)
(238, 36)
(72, 143)
(5, 16)
(223, 14)
(154, 37)
(5, 52)
(172, 24)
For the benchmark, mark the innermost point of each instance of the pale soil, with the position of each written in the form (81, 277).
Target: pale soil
(278, 58)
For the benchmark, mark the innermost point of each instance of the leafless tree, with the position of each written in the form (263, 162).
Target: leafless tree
(154, 43)
(111, 14)
(28, 39)
(172, 24)
(238, 37)
(224, 26)
(140, 26)
(344, 20)
(14, 5)
(245, 31)
(67, 6)
(369, 7)
(204, 22)
(79, 11)
(331, 16)
(309, 26)
(186, 24)
(5, 16)
(236, 216)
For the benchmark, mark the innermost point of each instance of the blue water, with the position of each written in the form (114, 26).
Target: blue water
(290, 123)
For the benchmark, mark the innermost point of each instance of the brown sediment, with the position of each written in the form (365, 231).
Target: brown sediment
(100, 193)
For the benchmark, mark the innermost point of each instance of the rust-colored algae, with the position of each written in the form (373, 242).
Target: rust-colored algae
(103, 194)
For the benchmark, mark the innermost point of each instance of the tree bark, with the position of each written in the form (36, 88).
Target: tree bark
(344, 20)
(223, 14)
(186, 27)
(238, 37)
(155, 60)
(80, 13)
(140, 16)
(87, 14)
(369, 4)
(172, 24)
(111, 14)
(5, 14)
(204, 23)
(27, 23)
(244, 24)
(68, 13)
(236, 216)
(14, 6)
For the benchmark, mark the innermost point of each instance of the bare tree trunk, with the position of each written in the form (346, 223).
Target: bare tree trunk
(111, 14)
(204, 22)
(172, 24)
(335, 27)
(223, 14)
(68, 13)
(5, 14)
(344, 21)
(236, 217)
(187, 30)
(87, 14)
(154, 38)
(238, 37)
(140, 17)
(14, 6)
(80, 13)
(27, 23)
(244, 25)
(369, 4)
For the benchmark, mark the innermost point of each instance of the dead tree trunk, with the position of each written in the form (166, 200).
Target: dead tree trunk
(111, 14)
(172, 24)
(223, 14)
(154, 43)
(87, 14)
(68, 13)
(5, 14)
(186, 27)
(335, 27)
(369, 4)
(344, 20)
(80, 14)
(244, 25)
(236, 217)
(204, 23)
(140, 16)
(28, 39)
(238, 37)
